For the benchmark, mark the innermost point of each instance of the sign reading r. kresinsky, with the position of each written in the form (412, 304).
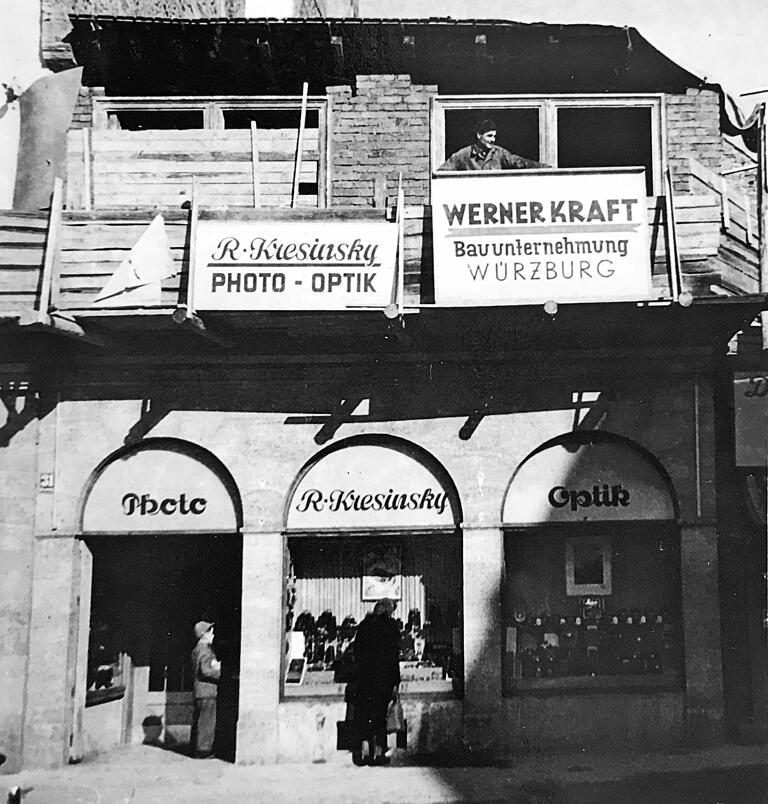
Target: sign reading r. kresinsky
(525, 237)
(297, 265)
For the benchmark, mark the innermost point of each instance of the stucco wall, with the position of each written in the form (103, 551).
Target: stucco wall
(18, 464)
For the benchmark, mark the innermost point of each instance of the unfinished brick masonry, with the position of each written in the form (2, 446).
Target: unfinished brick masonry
(380, 129)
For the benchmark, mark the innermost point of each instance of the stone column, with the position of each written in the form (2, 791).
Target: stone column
(53, 651)
(483, 560)
(701, 634)
(260, 652)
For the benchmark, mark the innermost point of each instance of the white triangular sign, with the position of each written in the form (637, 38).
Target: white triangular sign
(138, 278)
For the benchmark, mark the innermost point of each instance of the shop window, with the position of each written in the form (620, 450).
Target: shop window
(333, 582)
(561, 131)
(596, 607)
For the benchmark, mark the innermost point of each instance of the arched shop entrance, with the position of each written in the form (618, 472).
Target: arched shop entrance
(162, 519)
(592, 597)
(373, 517)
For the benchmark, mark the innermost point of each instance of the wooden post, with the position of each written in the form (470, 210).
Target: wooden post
(52, 248)
(255, 165)
(673, 254)
(762, 212)
(400, 244)
(87, 190)
(194, 212)
(724, 202)
(299, 146)
(379, 192)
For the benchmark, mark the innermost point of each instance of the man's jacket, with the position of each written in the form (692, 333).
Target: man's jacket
(205, 674)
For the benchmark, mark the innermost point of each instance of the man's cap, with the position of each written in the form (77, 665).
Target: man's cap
(201, 628)
(486, 124)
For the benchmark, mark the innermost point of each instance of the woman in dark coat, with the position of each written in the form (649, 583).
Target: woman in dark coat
(377, 646)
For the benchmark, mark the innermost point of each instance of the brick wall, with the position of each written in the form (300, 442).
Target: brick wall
(380, 129)
(82, 117)
(693, 129)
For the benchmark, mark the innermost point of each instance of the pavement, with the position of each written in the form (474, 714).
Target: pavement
(144, 775)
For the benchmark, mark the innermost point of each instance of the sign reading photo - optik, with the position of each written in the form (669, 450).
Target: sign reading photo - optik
(296, 265)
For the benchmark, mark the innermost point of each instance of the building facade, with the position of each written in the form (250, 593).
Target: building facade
(491, 397)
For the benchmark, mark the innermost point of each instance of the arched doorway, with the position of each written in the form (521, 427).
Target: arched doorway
(162, 520)
(370, 517)
(592, 596)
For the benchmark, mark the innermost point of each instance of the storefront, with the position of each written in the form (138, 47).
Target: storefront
(592, 607)
(374, 516)
(161, 521)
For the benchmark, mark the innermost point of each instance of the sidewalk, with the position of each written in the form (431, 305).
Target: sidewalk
(141, 774)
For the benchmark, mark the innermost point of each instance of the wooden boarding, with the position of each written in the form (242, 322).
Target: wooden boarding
(156, 168)
(92, 246)
(737, 216)
(22, 254)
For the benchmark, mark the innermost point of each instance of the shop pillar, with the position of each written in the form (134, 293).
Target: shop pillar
(483, 563)
(262, 611)
(61, 573)
(701, 633)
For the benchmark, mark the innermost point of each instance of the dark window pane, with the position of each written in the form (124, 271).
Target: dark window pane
(604, 137)
(516, 129)
(269, 118)
(140, 121)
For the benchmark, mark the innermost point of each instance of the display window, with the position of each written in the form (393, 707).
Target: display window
(370, 518)
(334, 582)
(560, 633)
(591, 596)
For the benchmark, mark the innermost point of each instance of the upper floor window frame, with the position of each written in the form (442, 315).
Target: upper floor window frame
(212, 110)
(548, 106)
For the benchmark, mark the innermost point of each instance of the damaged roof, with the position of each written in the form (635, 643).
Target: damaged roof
(164, 56)
(269, 56)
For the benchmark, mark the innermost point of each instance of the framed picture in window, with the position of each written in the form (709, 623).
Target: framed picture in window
(588, 566)
(382, 571)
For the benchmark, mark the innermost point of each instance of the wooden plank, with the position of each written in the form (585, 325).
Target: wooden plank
(17, 255)
(222, 143)
(208, 173)
(204, 134)
(87, 170)
(22, 238)
(19, 281)
(118, 236)
(299, 144)
(75, 174)
(23, 221)
(92, 283)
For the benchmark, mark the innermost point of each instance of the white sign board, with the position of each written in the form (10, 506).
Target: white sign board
(158, 490)
(294, 265)
(590, 483)
(368, 486)
(527, 237)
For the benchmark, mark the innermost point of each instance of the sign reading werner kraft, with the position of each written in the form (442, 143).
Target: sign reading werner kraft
(294, 265)
(526, 237)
